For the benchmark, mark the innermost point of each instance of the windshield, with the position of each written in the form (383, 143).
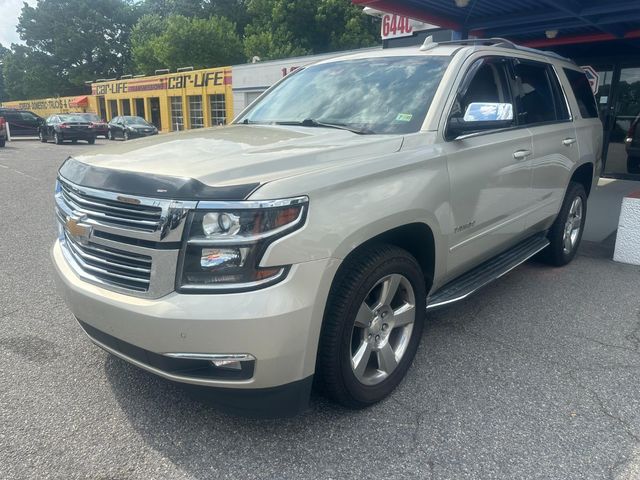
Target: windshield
(373, 95)
(135, 121)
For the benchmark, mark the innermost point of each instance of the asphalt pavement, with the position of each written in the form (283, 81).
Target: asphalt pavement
(534, 377)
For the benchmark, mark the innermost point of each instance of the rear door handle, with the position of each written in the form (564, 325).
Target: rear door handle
(568, 141)
(521, 154)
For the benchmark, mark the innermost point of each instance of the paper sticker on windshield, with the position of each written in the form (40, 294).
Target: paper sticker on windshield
(404, 117)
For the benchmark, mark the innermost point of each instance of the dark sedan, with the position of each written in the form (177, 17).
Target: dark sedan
(63, 127)
(100, 127)
(127, 127)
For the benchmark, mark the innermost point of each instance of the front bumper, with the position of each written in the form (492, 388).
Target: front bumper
(77, 135)
(137, 134)
(279, 325)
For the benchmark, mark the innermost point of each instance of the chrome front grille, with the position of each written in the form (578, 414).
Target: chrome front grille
(128, 244)
(117, 267)
(114, 212)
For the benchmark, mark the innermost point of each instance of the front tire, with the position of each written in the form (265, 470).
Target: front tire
(91, 141)
(110, 135)
(125, 136)
(372, 326)
(566, 232)
(42, 136)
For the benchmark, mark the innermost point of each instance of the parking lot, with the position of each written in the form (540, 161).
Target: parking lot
(534, 377)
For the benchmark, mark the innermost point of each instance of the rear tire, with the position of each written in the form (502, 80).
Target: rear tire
(2, 142)
(57, 139)
(110, 135)
(42, 136)
(91, 141)
(566, 232)
(372, 326)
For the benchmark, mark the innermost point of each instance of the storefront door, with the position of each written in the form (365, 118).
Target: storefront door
(154, 102)
(619, 102)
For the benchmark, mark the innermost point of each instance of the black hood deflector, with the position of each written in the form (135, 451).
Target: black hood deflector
(148, 184)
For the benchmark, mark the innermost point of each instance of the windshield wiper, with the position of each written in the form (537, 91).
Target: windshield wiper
(310, 122)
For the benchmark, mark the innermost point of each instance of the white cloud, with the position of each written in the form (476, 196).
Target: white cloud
(9, 19)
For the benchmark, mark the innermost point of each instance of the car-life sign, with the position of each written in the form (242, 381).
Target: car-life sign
(397, 26)
(592, 76)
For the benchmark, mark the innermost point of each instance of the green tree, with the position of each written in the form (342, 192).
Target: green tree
(29, 74)
(233, 10)
(178, 41)
(281, 28)
(3, 53)
(83, 39)
(344, 26)
(144, 43)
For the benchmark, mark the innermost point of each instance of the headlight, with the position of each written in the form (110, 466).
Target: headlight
(226, 241)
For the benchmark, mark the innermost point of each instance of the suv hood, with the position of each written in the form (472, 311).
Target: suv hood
(236, 154)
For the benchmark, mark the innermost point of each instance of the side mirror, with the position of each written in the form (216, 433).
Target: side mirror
(481, 116)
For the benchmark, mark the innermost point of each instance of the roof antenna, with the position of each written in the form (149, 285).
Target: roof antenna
(428, 44)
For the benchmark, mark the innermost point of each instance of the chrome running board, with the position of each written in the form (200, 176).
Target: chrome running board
(487, 272)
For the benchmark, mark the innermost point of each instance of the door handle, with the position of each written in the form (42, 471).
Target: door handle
(568, 141)
(521, 154)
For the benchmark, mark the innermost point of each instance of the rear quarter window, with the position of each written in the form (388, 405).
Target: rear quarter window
(582, 91)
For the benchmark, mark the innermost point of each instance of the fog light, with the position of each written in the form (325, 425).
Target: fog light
(228, 364)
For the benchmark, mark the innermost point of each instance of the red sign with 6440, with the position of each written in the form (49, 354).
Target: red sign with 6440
(396, 26)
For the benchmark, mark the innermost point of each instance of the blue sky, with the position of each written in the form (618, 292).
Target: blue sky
(10, 12)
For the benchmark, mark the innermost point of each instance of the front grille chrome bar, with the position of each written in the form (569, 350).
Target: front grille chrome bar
(130, 264)
(141, 218)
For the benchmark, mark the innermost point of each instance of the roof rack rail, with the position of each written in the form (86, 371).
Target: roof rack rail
(495, 42)
(498, 42)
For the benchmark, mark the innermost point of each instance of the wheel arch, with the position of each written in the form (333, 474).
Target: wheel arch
(417, 238)
(584, 176)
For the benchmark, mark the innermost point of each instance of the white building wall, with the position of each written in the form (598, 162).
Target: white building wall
(251, 79)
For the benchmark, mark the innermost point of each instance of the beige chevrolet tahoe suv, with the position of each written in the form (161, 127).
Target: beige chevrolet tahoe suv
(306, 242)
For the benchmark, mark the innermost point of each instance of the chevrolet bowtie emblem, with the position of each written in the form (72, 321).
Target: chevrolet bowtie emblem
(78, 231)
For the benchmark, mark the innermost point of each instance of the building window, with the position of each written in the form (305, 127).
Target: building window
(126, 107)
(113, 106)
(196, 117)
(218, 109)
(177, 118)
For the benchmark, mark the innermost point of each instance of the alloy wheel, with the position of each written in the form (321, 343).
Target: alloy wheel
(572, 226)
(382, 329)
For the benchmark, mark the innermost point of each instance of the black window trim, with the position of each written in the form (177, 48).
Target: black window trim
(563, 92)
(554, 97)
(595, 101)
(464, 83)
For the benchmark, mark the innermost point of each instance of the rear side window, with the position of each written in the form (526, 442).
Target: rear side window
(536, 101)
(582, 91)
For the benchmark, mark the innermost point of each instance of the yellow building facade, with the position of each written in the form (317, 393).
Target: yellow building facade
(173, 101)
(48, 106)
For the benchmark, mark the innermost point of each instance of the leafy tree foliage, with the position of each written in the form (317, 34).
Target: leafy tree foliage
(68, 42)
(281, 28)
(177, 41)
(234, 10)
(29, 74)
(83, 39)
(3, 52)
